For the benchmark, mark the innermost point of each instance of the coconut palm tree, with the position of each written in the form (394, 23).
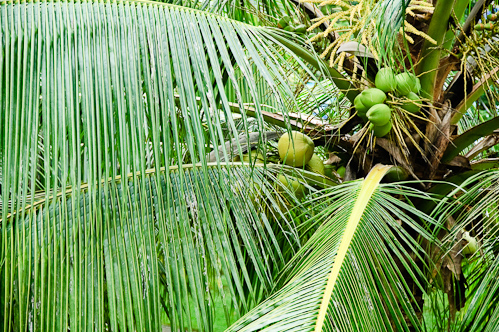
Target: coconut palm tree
(142, 184)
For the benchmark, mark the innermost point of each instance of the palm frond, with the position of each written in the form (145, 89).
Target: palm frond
(92, 91)
(352, 252)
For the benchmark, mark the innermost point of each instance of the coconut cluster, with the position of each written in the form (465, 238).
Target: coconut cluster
(370, 103)
(297, 150)
(288, 25)
(487, 25)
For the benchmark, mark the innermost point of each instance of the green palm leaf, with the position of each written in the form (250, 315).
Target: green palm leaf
(346, 277)
(103, 104)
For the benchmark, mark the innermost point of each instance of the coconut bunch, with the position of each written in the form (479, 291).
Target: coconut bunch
(372, 105)
(287, 24)
(297, 150)
(490, 25)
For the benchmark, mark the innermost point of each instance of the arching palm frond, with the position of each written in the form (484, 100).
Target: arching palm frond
(346, 277)
(101, 102)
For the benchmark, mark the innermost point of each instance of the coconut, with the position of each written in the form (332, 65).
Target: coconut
(315, 165)
(328, 170)
(385, 80)
(413, 105)
(379, 115)
(292, 184)
(297, 150)
(301, 28)
(396, 173)
(407, 82)
(381, 131)
(492, 17)
(283, 22)
(472, 245)
(289, 28)
(257, 158)
(371, 97)
(361, 109)
(341, 171)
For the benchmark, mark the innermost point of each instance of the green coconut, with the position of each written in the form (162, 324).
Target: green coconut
(381, 131)
(289, 28)
(407, 82)
(301, 28)
(292, 184)
(385, 80)
(396, 173)
(328, 170)
(379, 114)
(489, 26)
(257, 158)
(371, 97)
(341, 171)
(492, 17)
(414, 104)
(296, 150)
(283, 22)
(316, 165)
(472, 246)
(361, 109)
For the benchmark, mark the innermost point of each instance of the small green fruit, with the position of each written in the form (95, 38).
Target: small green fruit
(301, 28)
(289, 28)
(379, 114)
(328, 171)
(385, 80)
(381, 131)
(472, 246)
(479, 27)
(341, 171)
(297, 150)
(492, 17)
(371, 97)
(396, 173)
(283, 22)
(407, 82)
(489, 26)
(316, 165)
(257, 158)
(361, 109)
(296, 187)
(414, 103)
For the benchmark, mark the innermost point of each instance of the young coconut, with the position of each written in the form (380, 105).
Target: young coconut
(316, 165)
(407, 82)
(371, 97)
(328, 171)
(414, 104)
(379, 114)
(301, 28)
(361, 109)
(472, 246)
(341, 171)
(257, 158)
(396, 173)
(382, 131)
(292, 184)
(297, 150)
(385, 80)
(283, 22)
